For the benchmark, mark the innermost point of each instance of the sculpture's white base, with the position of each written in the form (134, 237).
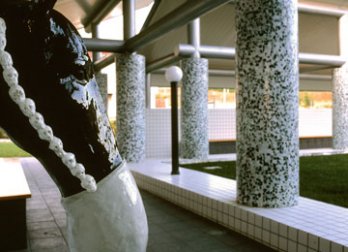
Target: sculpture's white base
(111, 219)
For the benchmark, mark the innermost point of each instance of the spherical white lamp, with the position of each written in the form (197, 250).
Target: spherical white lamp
(173, 74)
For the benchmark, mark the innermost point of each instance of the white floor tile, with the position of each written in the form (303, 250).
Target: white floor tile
(217, 195)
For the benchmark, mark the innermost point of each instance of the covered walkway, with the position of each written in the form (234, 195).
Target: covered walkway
(170, 227)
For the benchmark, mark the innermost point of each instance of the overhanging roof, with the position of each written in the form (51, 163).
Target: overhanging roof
(77, 10)
(318, 33)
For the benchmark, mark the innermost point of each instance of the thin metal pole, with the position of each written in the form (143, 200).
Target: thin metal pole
(180, 16)
(232, 73)
(185, 50)
(217, 52)
(103, 45)
(305, 8)
(194, 36)
(148, 91)
(95, 34)
(104, 62)
(175, 131)
(128, 19)
(321, 59)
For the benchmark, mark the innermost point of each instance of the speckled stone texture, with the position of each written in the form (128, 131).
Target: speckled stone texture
(102, 81)
(340, 108)
(267, 103)
(130, 115)
(340, 93)
(194, 109)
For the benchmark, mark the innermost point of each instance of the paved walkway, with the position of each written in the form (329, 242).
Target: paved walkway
(170, 227)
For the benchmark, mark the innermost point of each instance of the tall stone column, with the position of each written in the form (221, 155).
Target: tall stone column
(194, 109)
(267, 103)
(130, 113)
(340, 93)
(102, 81)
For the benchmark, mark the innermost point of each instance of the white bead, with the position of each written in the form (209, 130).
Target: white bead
(37, 121)
(69, 160)
(28, 107)
(46, 133)
(2, 42)
(5, 59)
(89, 183)
(78, 170)
(60, 153)
(56, 145)
(17, 94)
(2, 26)
(10, 75)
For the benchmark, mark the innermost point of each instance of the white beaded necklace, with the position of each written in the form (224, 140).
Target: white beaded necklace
(36, 120)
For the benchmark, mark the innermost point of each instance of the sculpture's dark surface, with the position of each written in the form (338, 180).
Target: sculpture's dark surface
(56, 72)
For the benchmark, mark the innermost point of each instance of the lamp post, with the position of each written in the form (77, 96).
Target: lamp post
(173, 75)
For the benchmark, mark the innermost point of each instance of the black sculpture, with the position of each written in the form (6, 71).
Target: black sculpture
(56, 73)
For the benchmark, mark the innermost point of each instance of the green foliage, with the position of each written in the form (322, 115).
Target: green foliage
(306, 101)
(113, 126)
(322, 178)
(9, 149)
(325, 178)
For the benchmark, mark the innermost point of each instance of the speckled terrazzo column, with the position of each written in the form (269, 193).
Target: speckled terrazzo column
(340, 108)
(102, 81)
(340, 93)
(194, 109)
(267, 103)
(131, 106)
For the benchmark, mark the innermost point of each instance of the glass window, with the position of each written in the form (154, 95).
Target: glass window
(226, 98)
(221, 98)
(160, 97)
(316, 99)
(217, 97)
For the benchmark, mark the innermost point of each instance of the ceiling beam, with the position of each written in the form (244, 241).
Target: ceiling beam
(219, 52)
(232, 73)
(206, 51)
(180, 16)
(322, 59)
(162, 62)
(104, 62)
(128, 7)
(305, 8)
(103, 45)
(152, 12)
(99, 11)
(186, 50)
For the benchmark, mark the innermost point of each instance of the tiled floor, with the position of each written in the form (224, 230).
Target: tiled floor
(309, 226)
(170, 227)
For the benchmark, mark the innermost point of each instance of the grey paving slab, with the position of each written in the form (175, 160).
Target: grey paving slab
(171, 228)
(45, 232)
(47, 243)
